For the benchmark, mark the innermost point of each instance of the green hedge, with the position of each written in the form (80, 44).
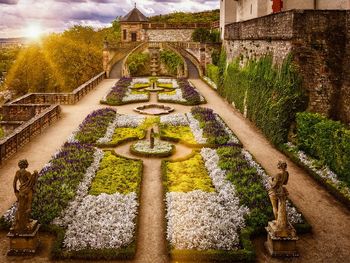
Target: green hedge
(269, 95)
(326, 140)
(213, 73)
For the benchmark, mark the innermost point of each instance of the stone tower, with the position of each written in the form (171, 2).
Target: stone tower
(131, 26)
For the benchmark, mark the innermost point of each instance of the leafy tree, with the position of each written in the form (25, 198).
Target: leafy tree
(201, 35)
(182, 17)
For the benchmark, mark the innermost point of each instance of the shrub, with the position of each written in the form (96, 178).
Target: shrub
(326, 140)
(269, 95)
(171, 60)
(138, 63)
(213, 73)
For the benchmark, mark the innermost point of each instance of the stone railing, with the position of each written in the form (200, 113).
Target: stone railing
(27, 116)
(175, 25)
(60, 98)
(24, 133)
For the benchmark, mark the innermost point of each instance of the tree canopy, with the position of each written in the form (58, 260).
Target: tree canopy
(182, 17)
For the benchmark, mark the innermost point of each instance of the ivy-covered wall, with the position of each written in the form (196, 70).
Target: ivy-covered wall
(267, 94)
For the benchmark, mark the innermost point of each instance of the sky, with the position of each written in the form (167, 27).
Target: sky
(16, 16)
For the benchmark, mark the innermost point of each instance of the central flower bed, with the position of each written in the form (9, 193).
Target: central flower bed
(160, 149)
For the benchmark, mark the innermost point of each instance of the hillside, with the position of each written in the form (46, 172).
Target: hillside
(182, 17)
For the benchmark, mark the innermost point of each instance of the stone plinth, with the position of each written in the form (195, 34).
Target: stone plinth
(281, 246)
(24, 244)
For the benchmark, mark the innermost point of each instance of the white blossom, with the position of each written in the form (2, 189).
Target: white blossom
(130, 97)
(103, 221)
(110, 131)
(196, 129)
(177, 97)
(131, 121)
(159, 147)
(211, 83)
(177, 119)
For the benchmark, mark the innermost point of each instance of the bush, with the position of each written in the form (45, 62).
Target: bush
(138, 63)
(269, 95)
(326, 140)
(213, 73)
(171, 60)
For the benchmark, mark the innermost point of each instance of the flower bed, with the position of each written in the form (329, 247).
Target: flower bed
(94, 126)
(215, 130)
(186, 94)
(121, 94)
(103, 215)
(160, 149)
(320, 172)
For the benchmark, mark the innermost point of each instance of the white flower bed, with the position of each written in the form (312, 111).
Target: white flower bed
(83, 188)
(325, 172)
(159, 147)
(172, 97)
(233, 138)
(103, 221)
(201, 220)
(130, 97)
(196, 129)
(177, 119)
(139, 81)
(293, 216)
(131, 121)
(210, 82)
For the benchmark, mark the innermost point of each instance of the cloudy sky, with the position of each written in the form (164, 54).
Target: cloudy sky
(56, 15)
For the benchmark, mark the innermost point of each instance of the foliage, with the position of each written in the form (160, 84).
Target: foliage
(61, 62)
(326, 140)
(204, 35)
(215, 57)
(222, 64)
(182, 17)
(269, 95)
(117, 175)
(188, 175)
(138, 63)
(57, 182)
(248, 185)
(213, 73)
(95, 125)
(7, 58)
(177, 133)
(171, 60)
(116, 95)
(141, 85)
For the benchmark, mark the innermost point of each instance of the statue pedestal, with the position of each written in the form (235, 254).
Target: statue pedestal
(281, 243)
(24, 243)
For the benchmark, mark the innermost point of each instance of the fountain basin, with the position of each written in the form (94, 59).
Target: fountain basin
(160, 149)
(154, 109)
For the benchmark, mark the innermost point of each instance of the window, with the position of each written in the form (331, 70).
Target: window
(124, 34)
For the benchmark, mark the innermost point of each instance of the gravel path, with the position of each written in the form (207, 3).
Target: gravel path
(330, 241)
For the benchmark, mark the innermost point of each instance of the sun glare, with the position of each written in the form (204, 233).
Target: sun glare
(34, 31)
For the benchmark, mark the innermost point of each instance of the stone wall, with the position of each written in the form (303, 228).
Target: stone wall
(169, 35)
(319, 41)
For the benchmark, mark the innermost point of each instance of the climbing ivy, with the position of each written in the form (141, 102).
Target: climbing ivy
(138, 63)
(269, 95)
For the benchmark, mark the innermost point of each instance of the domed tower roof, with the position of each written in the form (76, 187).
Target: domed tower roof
(134, 15)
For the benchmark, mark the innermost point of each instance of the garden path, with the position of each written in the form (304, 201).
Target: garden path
(330, 241)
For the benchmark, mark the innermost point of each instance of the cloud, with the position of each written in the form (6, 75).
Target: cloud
(8, 2)
(58, 15)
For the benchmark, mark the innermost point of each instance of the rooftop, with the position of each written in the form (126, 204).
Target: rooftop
(134, 15)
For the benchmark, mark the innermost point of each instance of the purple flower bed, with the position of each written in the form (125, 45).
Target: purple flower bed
(95, 125)
(189, 93)
(115, 97)
(58, 181)
(212, 129)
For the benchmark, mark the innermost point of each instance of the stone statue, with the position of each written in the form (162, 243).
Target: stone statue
(278, 196)
(152, 138)
(24, 194)
(281, 235)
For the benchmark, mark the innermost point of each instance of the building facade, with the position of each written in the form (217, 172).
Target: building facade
(131, 26)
